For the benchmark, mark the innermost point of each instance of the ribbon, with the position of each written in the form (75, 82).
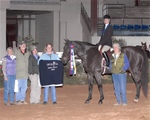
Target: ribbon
(72, 61)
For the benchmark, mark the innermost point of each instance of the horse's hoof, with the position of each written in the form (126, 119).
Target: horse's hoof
(87, 102)
(100, 102)
(136, 100)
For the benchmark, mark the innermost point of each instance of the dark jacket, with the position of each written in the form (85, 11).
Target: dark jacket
(33, 67)
(106, 37)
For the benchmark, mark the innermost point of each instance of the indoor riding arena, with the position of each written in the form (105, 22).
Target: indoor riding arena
(67, 35)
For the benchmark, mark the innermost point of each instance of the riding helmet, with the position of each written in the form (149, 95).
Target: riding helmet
(106, 16)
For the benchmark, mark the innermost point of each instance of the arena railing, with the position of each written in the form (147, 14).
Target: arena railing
(121, 8)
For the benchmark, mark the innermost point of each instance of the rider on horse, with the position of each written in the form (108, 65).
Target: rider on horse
(105, 42)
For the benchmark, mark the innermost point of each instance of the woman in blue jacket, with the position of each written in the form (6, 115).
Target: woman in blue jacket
(49, 55)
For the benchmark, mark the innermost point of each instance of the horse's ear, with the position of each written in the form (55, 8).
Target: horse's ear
(66, 40)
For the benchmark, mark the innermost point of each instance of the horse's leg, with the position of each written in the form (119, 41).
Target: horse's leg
(137, 79)
(100, 87)
(90, 80)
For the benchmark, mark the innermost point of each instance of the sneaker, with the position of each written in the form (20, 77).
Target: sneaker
(32, 103)
(7, 104)
(116, 104)
(24, 102)
(124, 104)
(54, 103)
(38, 102)
(18, 103)
(44, 103)
(12, 104)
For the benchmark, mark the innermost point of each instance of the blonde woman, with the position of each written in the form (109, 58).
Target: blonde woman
(9, 71)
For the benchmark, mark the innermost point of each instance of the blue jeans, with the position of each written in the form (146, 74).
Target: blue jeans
(22, 87)
(9, 88)
(119, 81)
(52, 90)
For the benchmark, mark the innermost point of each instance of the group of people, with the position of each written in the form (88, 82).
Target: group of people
(18, 66)
(117, 64)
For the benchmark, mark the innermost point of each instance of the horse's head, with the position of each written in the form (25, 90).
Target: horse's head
(66, 52)
(80, 49)
(144, 45)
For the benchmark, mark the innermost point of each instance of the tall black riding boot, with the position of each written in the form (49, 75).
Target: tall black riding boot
(106, 58)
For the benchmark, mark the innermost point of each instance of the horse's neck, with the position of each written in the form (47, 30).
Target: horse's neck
(81, 52)
(86, 53)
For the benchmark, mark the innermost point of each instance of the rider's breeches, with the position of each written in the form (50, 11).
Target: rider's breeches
(105, 48)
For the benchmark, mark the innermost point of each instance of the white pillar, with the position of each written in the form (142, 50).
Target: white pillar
(63, 34)
(33, 28)
(63, 24)
(19, 27)
(56, 33)
(4, 4)
(2, 32)
(26, 26)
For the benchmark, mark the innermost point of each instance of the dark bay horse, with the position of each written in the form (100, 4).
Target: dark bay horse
(91, 60)
(144, 47)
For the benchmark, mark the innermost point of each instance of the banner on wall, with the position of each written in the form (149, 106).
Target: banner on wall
(36, 2)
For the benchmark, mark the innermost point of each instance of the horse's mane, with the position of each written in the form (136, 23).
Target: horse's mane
(85, 43)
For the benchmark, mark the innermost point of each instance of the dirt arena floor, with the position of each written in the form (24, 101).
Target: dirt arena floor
(71, 106)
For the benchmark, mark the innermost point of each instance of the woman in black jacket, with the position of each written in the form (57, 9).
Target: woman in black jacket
(33, 70)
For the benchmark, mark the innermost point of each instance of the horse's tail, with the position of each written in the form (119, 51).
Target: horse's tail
(144, 74)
